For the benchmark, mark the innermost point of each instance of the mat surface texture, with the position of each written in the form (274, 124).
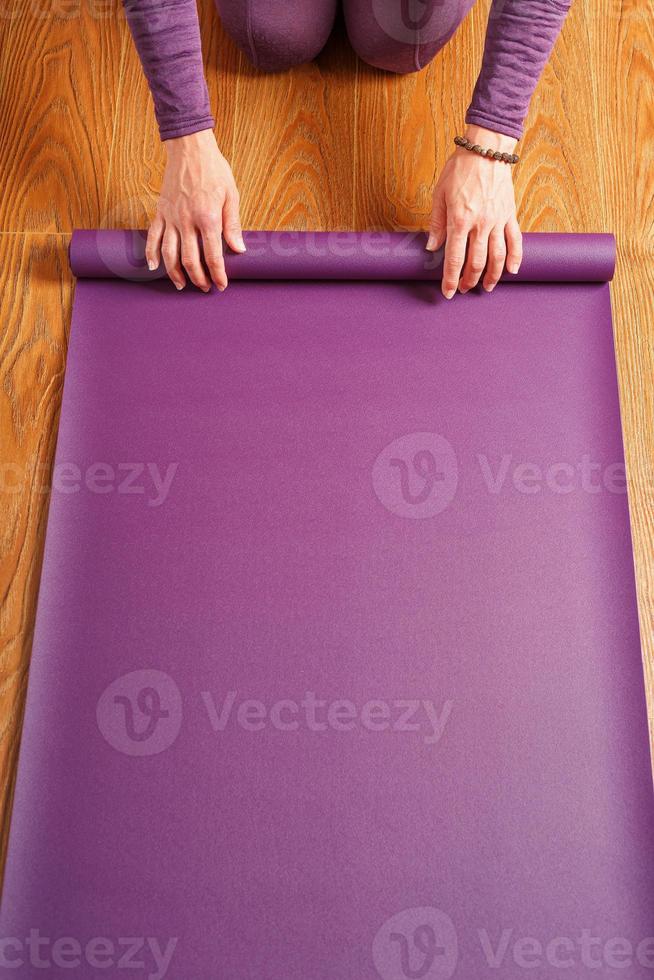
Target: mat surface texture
(337, 672)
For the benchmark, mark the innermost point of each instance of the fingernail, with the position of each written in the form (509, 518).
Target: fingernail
(463, 289)
(449, 293)
(240, 244)
(179, 285)
(489, 289)
(513, 268)
(431, 243)
(152, 265)
(222, 288)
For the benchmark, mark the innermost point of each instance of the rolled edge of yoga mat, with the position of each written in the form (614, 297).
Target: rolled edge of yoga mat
(547, 256)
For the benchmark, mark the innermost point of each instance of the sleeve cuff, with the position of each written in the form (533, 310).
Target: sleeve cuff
(512, 129)
(171, 131)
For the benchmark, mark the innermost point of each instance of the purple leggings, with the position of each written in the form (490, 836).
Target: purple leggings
(398, 35)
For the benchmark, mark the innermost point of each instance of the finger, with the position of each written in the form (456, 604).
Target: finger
(213, 255)
(153, 243)
(191, 259)
(232, 224)
(455, 253)
(513, 245)
(476, 260)
(496, 258)
(170, 249)
(438, 223)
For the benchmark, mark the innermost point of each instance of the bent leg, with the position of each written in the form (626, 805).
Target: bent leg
(402, 35)
(277, 34)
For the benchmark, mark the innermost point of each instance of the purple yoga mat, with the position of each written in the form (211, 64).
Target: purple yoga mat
(336, 672)
(120, 254)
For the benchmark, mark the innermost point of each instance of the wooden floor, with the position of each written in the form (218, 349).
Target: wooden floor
(330, 145)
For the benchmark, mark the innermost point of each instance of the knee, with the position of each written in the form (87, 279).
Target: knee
(402, 40)
(400, 59)
(397, 57)
(273, 49)
(278, 36)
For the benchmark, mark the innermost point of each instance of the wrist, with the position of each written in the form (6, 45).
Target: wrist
(190, 144)
(489, 139)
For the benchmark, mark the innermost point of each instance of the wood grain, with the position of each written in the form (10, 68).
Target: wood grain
(35, 304)
(333, 144)
(405, 126)
(294, 143)
(57, 105)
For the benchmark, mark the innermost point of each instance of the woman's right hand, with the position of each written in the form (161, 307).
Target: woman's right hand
(198, 200)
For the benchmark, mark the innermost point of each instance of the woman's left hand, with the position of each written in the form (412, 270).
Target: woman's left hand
(474, 209)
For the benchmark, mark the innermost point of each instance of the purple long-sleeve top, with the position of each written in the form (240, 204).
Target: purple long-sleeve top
(519, 40)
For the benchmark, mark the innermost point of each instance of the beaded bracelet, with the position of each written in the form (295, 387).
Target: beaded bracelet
(489, 154)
